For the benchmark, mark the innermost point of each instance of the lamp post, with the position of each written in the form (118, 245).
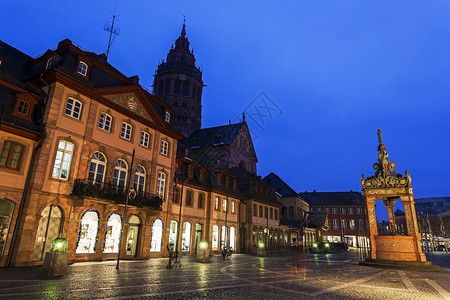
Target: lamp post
(127, 195)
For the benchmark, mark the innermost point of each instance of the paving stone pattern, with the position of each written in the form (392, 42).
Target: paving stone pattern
(296, 276)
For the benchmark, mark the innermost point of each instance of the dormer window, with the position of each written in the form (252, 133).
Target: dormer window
(23, 107)
(82, 68)
(167, 117)
(49, 63)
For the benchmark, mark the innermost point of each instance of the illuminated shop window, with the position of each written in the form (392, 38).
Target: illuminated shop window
(186, 237)
(87, 238)
(112, 236)
(173, 235)
(233, 237)
(157, 234)
(223, 241)
(215, 238)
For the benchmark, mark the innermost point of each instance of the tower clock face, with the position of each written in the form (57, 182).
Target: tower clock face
(182, 77)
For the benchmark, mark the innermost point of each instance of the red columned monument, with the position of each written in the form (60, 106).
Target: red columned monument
(392, 249)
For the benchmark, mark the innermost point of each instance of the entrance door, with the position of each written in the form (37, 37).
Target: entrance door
(242, 240)
(198, 235)
(132, 236)
(48, 230)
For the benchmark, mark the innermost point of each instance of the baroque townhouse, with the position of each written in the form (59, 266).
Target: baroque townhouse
(210, 205)
(20, 136)
(346, 219)
(95, 118)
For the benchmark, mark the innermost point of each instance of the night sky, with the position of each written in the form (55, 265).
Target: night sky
(334, 70)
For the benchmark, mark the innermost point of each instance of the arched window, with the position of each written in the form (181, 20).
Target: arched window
(233, 238)
(215, 238)
(167, 85)
(177, 86)
(82, 68)
(97, 168)
(105, 122)
(112, 235)
(6, 212)
(120, 173)
(48, 230)
(139, 179)
(173, 235)
(157, 234)
(87, 235)
(224, 240)
(186, 237)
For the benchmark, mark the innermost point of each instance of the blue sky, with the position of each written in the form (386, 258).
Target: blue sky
(338, 70)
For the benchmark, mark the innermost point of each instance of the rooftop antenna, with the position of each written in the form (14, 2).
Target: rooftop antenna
(113, 31)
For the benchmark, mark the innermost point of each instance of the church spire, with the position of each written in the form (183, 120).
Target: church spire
(183, 31)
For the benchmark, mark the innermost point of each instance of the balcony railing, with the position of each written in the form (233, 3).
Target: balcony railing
(114, 193)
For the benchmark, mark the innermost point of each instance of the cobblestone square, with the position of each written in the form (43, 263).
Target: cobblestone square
(289, 276)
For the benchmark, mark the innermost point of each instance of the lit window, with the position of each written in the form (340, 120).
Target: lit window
(224, 205)
(186, 237)
(97, 168)
(351, 224)
(62, 161)
(112, 236)
(173, 235)
(126, 131)
(82, 68)
(164, 147)
(120, 173)
(139, 179)
(161, 185)
(23, 107)
(215, 238)
(87, 237)
(105, 122)
(145, 137)
(216, 203)
(167, 117)
(157, 232)
(335, 224)
(11, 154)
(232, 207)
(73, 108)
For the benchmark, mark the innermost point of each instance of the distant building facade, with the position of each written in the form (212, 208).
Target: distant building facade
(346, 221)
(433, 205)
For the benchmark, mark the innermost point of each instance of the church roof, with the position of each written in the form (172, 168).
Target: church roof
(279, 185)
(213, 136)
(332, 198)
(399, 212)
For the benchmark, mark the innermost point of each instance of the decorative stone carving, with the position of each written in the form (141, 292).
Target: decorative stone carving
(394, 245)
(129, 102)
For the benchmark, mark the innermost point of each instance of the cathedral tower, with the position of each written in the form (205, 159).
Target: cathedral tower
(178, 82)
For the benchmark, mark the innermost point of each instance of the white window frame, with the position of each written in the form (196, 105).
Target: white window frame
(139, 179)
(71, 108)
(342, 210)
(216, 203)
(359, 210)
(105, 122)
(334, 210)
(161, 184)
(121, 166)
(145, 139)
(164, 148)
(64, 156)
(97, 160)
(350, 224)
(335, 223)
(350, 210)
(126, 131)
(344, 223)
(232, 207)
(81, 70)
(224, 205)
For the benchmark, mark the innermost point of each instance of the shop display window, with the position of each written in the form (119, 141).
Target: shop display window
(186, 237)
(157, 232)
(112, 236)
(87, 236)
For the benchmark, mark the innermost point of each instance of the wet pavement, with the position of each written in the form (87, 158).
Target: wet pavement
(293, 276)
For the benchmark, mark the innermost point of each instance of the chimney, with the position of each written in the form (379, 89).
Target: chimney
(314, 192)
